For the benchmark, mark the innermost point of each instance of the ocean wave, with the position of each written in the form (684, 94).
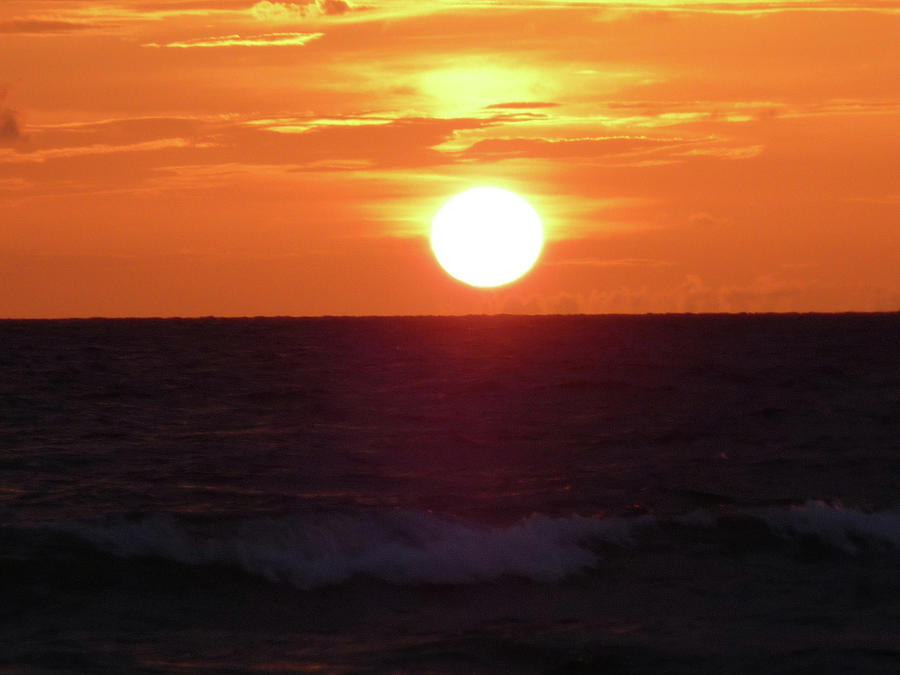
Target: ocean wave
(411, 548)
(830, 526)
(400, 547)
(846, 529)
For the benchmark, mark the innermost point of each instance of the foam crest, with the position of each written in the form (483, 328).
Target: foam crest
(846, 529)
(408, 548)
(398, 547)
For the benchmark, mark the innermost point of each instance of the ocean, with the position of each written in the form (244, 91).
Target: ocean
(484, 494)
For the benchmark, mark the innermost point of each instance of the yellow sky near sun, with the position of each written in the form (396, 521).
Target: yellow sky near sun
(230, 157)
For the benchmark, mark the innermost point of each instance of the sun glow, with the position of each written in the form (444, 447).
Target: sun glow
(486, 236)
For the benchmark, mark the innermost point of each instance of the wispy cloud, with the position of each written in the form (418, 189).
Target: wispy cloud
(294, 11)
(43, 26)
(62, 16)
(743, 152)
(498, 148)
(98, 149)
(41, 17)
(726, 6)
(621, 262)
(189, 5)
(522, 105)
(611, 9)
(10, 129)
(297, 125)
(111, 154)
(236, 40)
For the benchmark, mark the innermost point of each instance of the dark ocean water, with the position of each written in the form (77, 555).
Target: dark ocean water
(428, 495)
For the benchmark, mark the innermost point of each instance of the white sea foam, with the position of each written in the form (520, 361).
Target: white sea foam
(399, 547)
(847, 529)
(408, 548)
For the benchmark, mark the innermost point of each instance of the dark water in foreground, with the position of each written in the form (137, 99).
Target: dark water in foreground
(478, 494)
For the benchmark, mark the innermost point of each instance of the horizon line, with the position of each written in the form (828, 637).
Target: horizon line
(444, 316)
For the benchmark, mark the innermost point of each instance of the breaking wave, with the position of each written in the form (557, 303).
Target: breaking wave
(410, 548)
(401, 547)
(845, 529)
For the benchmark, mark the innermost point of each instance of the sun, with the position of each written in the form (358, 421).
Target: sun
(486, 236)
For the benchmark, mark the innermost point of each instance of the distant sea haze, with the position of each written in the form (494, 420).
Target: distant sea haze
(559, 494)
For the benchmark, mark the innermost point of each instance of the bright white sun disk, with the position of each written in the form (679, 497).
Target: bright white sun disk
(486, 236)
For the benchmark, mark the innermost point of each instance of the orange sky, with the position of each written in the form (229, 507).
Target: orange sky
(231, 157)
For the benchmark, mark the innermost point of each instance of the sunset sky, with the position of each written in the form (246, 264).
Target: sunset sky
(232, 158)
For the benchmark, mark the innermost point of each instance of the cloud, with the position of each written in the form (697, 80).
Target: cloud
(765, 293)
(290, 11)
(114, 132)
(42, 26)
(10, 129)
(500, 148)
(654, 10)
(331, 7)
(522, 105)
(9, 126)
(127, 153)
(101, 149)
(189, 5)
(265, 40)
(746, 152)
(620, 262)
